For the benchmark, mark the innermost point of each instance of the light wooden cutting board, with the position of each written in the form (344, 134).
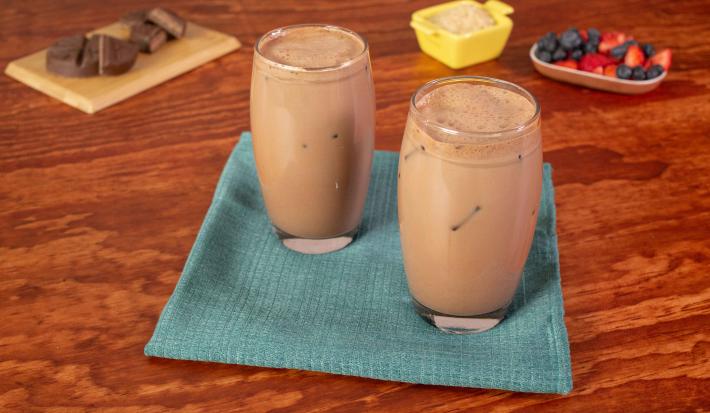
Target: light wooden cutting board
(198, 46)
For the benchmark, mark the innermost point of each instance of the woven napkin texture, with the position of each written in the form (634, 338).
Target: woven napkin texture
(245, 299)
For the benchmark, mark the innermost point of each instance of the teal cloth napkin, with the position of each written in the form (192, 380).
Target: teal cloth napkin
(245, 299)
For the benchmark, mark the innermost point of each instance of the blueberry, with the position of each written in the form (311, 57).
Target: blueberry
(623, 71)
(638, 73)
(593, 33)
(590, 46)
(543, 55)
(559, 54)
(648, 50)
(654, 71)
(620, 51)
(548, 42)
(577, 54)
(570, 39)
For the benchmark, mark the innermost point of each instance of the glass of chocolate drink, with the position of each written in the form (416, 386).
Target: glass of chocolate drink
(313, 124)
(470, 179)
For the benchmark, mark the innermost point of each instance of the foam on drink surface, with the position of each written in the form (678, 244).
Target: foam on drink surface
(487, 115)
(312, 47)
(476, 108)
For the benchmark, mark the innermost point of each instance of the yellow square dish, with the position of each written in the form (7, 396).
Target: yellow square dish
(455, 50)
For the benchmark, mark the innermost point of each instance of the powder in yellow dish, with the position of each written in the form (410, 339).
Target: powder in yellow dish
(463, 19)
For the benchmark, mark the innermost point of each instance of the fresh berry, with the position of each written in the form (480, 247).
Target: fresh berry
(591, 46)
(576, 54)
(559, 54)
(634, 56)
(654, 71)
(548, 42)
(648, 50)
(590, 61)
(570, 39)
(610, 70)
(662, 58)
(620, 51)
(594, 34)
(623, 71)
(583, 34)
(638, 73)
(567, 63)
(611, 40)
(598, 70)
(543, 55)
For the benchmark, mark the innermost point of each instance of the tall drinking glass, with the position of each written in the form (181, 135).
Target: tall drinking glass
(470, 179)
(313, 124)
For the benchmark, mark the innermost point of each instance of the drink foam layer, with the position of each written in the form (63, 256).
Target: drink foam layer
(465, 121)
(312, 47)
(476, 108)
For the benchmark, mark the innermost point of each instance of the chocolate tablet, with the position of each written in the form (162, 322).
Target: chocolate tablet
(134, 18)
(148, 37)
(71, 57)
(72, 43)
(168, 21)
(89, 61)
(115, 56)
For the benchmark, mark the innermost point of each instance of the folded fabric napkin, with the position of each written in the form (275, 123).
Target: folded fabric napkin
(245, 299)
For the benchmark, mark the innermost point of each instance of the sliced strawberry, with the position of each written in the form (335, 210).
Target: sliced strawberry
(662, 58)
(610, 70)
(584, 35)
(610, 40)
(634, 56)
(569, 63)
(598, 70)
(591, 61)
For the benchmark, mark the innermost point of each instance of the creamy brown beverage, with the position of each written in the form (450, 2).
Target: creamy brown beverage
(470, 178)
(313, 123)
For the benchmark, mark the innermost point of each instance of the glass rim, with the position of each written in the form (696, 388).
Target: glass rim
(485, 79)
(365, 48)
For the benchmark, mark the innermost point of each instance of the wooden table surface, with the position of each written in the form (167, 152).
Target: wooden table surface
(98, 213)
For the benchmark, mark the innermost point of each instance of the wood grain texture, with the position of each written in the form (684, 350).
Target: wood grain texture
(98, 213)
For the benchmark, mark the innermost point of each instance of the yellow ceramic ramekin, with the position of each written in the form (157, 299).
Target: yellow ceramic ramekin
(457, 51)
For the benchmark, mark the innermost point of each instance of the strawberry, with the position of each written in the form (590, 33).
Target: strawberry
(598, 70)
(590, 61)
(610, 40)
(584, 35)
(662, 58)
(569, 63)
(610, 70)
(634, 56)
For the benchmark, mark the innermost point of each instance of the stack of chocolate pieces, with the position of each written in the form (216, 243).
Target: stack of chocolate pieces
(151, 29)
(77, 56)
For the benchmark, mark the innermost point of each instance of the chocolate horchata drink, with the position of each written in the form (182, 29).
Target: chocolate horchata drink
(470, 179)
(313, 122)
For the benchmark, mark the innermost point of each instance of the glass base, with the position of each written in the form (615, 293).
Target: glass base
(456, 324)
(315, 246)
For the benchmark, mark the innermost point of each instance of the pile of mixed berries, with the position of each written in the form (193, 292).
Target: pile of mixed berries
(611, 54)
